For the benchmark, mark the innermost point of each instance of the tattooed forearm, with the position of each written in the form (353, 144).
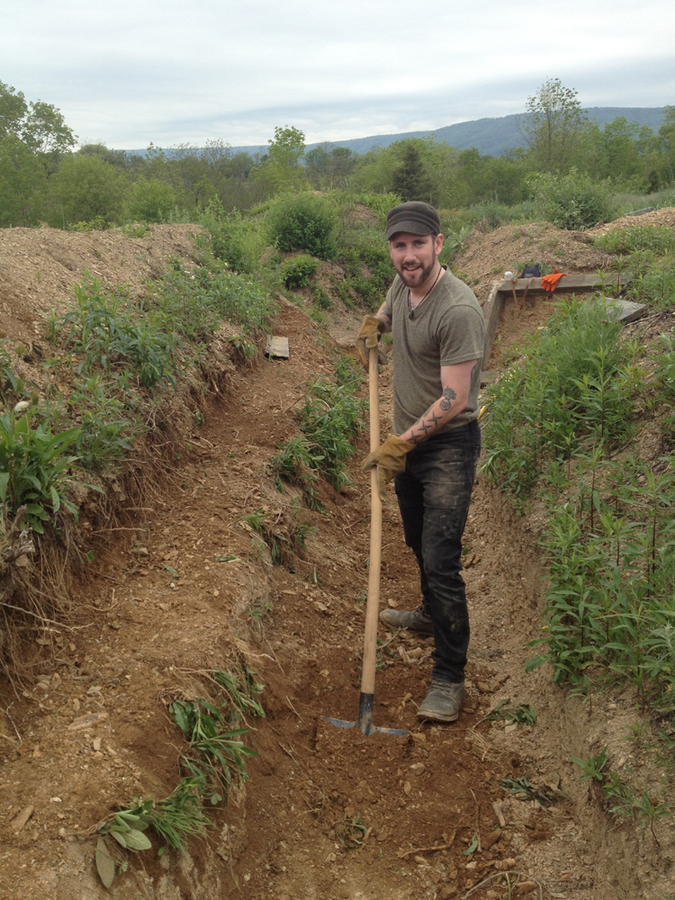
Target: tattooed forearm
(446, 400)
(425, 425)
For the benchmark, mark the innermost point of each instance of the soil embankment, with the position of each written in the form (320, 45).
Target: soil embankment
(184, 587)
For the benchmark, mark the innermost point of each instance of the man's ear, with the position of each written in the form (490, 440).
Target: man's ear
(438, 244)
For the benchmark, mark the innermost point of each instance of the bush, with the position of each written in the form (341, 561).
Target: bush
(296, 273)
(151, 201)
(571, 388)
(572, 201)
(303, 222)
(227, 238)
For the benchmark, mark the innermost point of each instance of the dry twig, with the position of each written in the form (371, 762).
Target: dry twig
(402, 854)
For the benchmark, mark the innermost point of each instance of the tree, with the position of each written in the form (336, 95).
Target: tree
(423, 168)
(667, 144)
(23, 184)
(281, 170)
(39, 125)
(85, 188)
(151, 201)
(555, 127)
(619, 152)
(13, 109)
(411, 179)
(330, 167)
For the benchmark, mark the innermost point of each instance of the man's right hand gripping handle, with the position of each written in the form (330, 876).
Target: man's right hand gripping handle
(371, 331)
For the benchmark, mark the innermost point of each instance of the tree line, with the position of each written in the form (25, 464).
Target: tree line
(44, 179)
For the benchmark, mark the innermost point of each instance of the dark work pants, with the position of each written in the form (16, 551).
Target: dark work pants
(433, 494)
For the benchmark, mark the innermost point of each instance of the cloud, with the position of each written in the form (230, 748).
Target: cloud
(162, 71)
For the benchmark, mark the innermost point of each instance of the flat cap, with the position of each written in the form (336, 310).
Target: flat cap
(413, 217)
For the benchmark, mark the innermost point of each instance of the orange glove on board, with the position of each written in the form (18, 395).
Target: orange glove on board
(550, 282)
(390, 461)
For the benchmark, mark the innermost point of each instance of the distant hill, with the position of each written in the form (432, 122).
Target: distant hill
(489, 136)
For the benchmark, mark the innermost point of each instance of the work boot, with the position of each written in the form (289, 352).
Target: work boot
(443, 701)
(414, 620)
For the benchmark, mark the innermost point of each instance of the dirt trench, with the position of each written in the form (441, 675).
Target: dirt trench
(326, 813)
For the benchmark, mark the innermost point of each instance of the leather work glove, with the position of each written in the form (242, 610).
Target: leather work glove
(550, 282)
(390, 461)
(371, 330)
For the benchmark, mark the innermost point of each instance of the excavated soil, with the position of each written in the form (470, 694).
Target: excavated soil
(184, 588)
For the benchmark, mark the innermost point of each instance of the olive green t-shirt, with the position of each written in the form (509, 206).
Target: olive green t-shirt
(445, 329)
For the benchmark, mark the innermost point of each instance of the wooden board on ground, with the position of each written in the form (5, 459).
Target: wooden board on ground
(277, 348)
(624, 310)
(568, 284)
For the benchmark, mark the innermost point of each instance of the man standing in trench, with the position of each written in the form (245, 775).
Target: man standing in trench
(437, 327)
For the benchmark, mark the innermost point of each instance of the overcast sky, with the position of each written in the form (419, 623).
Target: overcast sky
(128, 72)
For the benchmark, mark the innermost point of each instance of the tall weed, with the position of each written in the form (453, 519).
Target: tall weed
(570, 385)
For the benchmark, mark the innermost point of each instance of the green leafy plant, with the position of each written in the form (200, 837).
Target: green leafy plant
(330, 418)
(9, 381)
(523, 790)
(303, 222)
(657, 238)
(35, 468)
(321, 298)
(594, 767)
(572, 201)
(523, 714)
(227, 237)
(107, 430)
(570, 385)
(298, 272)
(294, 463)
(352, 832)
(111, 331)
(135, 231)
(216, 750)
(285, 535)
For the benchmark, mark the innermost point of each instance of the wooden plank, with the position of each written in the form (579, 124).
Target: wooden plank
(567, 284)
(624, 310)
(492, 310)
(488, 377)
(277, 348)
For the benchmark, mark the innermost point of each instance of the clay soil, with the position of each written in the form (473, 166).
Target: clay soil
(183, 587)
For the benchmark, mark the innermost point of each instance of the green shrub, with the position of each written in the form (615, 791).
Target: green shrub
(303, 222)
(226, 237)
(656, 238)
(321, 298)
(113, 332)
(572, 201)
(34, 469)
(296, 273)
(571, 386)
(107, 430)
(151, 201)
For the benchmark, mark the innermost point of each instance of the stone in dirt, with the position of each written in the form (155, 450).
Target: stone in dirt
(87, 721)
(19, 821)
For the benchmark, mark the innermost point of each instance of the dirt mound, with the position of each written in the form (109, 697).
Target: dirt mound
(38, 268)
(664, 216)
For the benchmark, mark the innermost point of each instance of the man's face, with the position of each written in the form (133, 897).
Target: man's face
(414, 256)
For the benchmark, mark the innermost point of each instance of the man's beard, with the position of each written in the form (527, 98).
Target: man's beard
(416, 277)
